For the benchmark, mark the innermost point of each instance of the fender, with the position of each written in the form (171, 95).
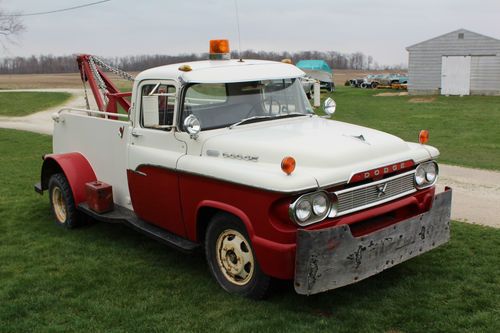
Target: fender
(229, 209)
(75, 167)
(275, 259)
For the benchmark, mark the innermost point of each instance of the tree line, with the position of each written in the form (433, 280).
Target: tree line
(48, 64)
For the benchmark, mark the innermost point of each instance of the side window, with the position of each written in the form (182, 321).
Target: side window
(157, 105)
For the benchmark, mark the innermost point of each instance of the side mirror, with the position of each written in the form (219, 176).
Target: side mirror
(192, 126)
(329, 106)
(150, 107)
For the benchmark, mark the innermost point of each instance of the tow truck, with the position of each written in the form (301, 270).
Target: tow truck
(228, 156)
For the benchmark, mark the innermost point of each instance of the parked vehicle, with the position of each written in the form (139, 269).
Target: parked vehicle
(228, 156)
(319, 70)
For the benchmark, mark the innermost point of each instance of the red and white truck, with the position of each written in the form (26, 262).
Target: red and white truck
(229, 156)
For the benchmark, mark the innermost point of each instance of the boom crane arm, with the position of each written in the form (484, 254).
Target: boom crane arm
(99, 81)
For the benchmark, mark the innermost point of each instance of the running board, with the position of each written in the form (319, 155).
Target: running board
(123, 215)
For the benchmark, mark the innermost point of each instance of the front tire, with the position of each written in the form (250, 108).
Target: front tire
(62, 202)
(232, 260)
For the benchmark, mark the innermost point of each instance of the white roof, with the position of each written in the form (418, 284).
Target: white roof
(224, 71)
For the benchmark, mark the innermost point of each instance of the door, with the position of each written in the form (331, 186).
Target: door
(455, 75)
(152, 157)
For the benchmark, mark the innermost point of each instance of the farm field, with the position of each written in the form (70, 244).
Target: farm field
(109, 278)
(18, 104)
(72, 80)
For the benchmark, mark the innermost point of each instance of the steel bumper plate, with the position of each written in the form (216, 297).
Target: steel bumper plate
(332, 258)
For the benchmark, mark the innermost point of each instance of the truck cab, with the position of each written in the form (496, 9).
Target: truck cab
(228, 155)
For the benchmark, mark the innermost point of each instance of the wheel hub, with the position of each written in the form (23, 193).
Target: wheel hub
(59, 205)
(235, 257)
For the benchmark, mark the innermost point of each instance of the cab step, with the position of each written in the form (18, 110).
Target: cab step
(126, 216)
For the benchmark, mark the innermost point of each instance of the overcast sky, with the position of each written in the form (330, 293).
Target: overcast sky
(381, 28)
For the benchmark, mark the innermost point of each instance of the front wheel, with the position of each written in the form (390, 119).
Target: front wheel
(231, 258)
(61, 201)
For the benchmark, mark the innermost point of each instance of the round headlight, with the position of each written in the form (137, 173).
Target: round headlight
(430, 172)
(303, 210)
(420, 176)
(320, 204)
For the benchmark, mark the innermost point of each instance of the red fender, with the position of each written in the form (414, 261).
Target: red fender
(229, 209)
(75, 167)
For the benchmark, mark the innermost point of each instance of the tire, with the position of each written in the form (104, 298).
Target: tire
(363, 85)
(231, 258)
(62, 202)
(374, 85)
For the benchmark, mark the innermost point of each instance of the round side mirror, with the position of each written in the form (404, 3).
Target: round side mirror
(329, 106)
(192, 126)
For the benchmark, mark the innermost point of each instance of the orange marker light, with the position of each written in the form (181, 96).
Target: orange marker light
(219, 46)
(288, 165)
(423, 137)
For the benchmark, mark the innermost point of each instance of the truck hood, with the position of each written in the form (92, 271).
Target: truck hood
(329, 152)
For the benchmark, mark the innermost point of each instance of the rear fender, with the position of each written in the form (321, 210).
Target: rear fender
(75, 167)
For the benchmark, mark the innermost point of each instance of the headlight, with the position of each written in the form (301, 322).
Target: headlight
(319, 204)
(310, 208)
(303, 210)
(426, 175)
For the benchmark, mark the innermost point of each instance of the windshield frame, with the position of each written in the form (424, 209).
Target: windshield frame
(301, 98)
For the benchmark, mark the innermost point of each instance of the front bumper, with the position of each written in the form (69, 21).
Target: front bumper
(332, 258)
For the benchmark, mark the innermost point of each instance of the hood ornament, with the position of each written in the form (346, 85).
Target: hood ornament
(359, 137)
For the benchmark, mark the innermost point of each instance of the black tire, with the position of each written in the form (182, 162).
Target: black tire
(250, 281)
(374, 85)
(62, 202)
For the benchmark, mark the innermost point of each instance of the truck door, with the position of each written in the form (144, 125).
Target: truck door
(152, 157)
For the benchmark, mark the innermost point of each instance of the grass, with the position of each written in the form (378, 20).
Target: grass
(107, 278)
(466, 129)
(18, 104)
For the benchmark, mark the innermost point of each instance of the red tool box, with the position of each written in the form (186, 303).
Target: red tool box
(99, 196)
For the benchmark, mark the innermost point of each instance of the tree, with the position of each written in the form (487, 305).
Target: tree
(10, 27)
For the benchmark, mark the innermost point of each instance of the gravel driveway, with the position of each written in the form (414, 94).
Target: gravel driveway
(476, 193)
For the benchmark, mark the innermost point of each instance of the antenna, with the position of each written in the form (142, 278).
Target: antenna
(238, 25)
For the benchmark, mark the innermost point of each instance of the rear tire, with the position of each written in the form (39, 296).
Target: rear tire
(62, 202)
(232, 260)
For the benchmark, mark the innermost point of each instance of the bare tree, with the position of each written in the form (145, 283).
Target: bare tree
(10, 27)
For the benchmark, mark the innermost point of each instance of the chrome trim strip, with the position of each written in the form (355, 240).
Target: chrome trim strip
(376, 203)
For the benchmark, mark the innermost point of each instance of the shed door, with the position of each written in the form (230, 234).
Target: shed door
(455, 75)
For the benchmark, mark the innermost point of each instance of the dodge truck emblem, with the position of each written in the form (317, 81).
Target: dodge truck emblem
(381, 189)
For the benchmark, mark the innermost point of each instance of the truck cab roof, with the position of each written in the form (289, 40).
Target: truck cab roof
(223, 71)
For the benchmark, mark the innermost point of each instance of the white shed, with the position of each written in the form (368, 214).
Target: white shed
(460, 62)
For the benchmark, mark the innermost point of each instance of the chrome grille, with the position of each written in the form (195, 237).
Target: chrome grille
(368, 195)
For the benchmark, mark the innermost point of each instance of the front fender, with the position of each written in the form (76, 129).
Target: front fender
(74, 166)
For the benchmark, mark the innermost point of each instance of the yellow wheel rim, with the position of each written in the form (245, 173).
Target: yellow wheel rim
(235, 257)
(59, 205)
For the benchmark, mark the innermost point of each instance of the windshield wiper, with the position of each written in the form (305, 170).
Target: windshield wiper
(259, 118)
(250, 120)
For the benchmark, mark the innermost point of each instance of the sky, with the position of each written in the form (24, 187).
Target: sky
(381, 29)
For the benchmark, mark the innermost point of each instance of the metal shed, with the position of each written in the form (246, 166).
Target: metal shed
(460, 62)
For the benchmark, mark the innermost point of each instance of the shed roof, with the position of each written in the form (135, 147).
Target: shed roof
(417, 45)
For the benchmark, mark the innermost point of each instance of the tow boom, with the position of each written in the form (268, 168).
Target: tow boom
(106, 94)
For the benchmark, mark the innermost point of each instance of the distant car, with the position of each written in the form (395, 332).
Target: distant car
(319, 70)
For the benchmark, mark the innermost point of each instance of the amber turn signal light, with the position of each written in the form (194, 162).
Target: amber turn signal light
(288, 165)
(423, 137)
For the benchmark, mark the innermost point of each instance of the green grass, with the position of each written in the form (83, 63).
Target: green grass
(466, 130)
(107, 278)
(18, 104)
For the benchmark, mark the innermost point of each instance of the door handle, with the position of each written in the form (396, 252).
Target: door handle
(135, 134)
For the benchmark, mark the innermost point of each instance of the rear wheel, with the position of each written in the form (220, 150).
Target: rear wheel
(231, 258)
(62, 202)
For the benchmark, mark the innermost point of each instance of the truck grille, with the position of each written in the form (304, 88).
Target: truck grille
(372, 194)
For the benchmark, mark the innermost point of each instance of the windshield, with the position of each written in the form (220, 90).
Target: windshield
(219, 105)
